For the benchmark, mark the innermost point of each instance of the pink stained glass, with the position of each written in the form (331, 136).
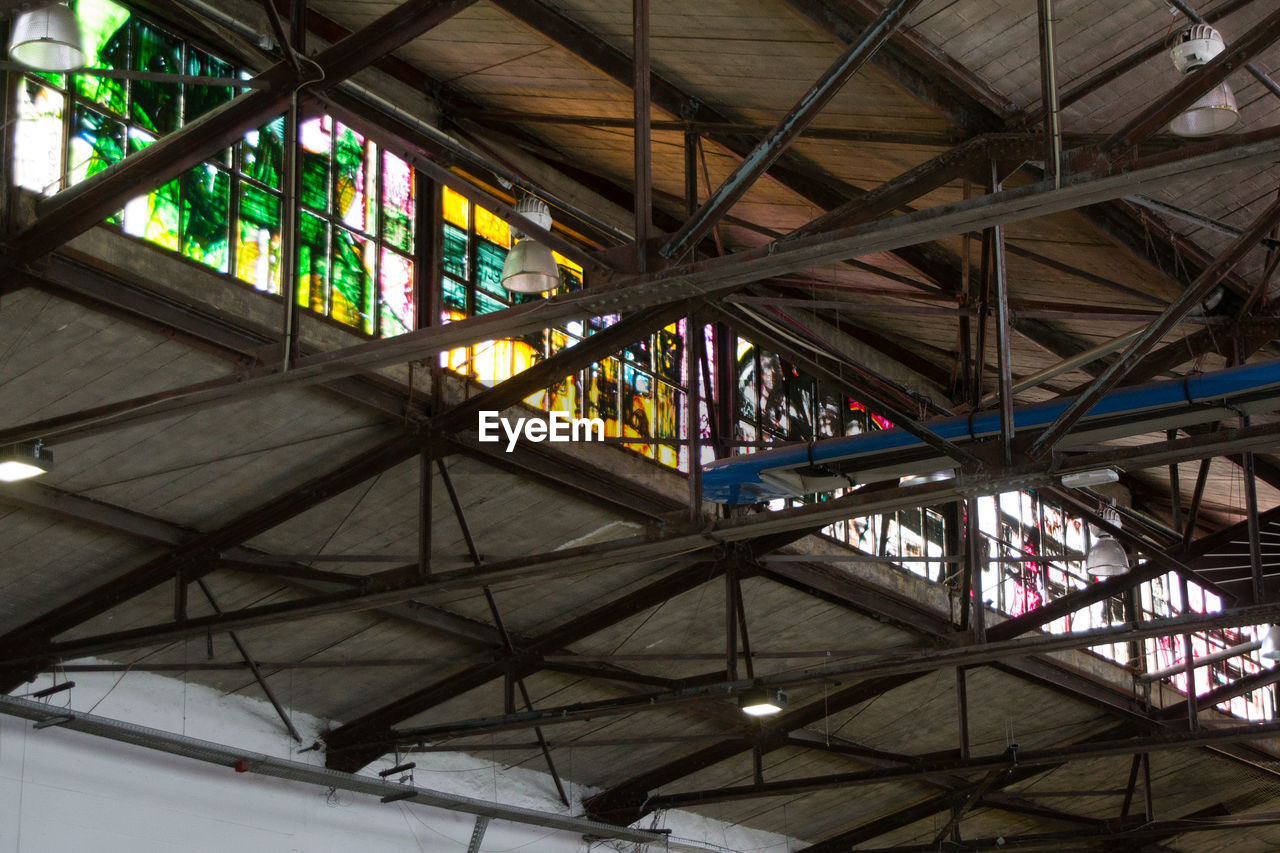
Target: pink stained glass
(397, 202)
(396, 288)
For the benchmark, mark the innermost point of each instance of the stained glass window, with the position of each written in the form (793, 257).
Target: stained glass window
(37, 161)
(355, 234)
(639, 395)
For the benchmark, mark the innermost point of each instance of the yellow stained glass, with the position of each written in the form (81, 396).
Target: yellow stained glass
(456, 209)
(561, 260)
(496, 361)
(669, 455)
(492, 228)
(457, 360)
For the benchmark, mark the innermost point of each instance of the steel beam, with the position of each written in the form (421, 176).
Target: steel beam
(37, 634)
(788, 128)
(999, 762)
(1110, 838)
(1168, 319)
(872, 668)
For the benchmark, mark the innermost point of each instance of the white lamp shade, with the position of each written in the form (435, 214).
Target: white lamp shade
(1216, 112)
(1271, 643)
(1106, 558)
(47, 39)
(530, 268)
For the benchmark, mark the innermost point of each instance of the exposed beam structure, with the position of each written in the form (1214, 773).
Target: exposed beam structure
(1168, 319)
(788, 128)
(704, 277)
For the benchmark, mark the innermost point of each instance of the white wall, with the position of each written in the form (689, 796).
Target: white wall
(66, 791)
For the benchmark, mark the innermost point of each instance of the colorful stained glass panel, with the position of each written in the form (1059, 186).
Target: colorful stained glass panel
(37, 161)
(313, 262)
(206, 199)
(153, 105)
(396, 290)
(351, 280)
(397, 202)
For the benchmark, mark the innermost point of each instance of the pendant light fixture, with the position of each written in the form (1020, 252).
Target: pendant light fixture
(24, 461)
(1106, 557)
(762, 702)
(530, 267)
(1216, 111)
(1271, 643)
(47, 39)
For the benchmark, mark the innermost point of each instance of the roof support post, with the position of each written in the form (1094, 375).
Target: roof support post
(1049, 94)
(791, 125)
(643, 148)
(1004, 358)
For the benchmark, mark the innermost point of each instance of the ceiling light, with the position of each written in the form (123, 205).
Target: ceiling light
(933, 477)
(762, 702)
(1216, 111)
(47, 39)
(530, 267)
(1106, 557)
(1096, 477)
(24, 461)
(1271, 643)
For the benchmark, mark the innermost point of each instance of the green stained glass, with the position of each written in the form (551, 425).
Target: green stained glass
(105, 33)
(258, 239)
(349, 157)
(96, 142)
(155, 216)
(153, 105)
(201, 99)
(350, 279)
(313, 262)
(489, 258)
(58, 80)
(397, 202)
(455, 251)
(260, 208)
(100, 21)
(487, 304)
(262, 153)
(206, 198)
(315, 180)
(455, 295)
(315, 141)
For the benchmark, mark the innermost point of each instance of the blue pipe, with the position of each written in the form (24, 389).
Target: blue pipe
(1204, 397)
